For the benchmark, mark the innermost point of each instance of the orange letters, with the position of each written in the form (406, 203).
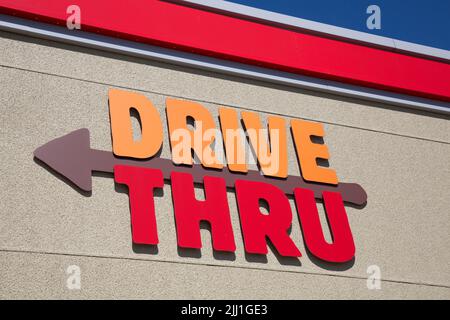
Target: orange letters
(269, 145)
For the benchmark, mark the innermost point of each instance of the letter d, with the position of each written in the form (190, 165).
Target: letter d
(120, 104)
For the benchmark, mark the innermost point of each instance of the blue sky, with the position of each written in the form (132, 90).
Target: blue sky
(421, 22)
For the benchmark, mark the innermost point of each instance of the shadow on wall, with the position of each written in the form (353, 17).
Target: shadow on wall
(204, 225)
(211, 74)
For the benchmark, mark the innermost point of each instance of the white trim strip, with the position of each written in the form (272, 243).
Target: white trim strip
(85, 39)
(330, 30)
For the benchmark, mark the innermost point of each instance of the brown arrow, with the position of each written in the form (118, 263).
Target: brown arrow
(72, 157)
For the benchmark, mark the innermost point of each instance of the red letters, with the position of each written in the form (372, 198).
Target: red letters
(190, 211)
(343, 248)
(141, 182)
(256, 225)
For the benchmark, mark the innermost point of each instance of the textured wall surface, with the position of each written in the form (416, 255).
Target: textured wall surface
(49, 89)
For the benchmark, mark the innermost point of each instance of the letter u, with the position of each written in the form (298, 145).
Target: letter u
(343, 248)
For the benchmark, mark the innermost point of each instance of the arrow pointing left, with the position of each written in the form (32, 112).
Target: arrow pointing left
(72, 157)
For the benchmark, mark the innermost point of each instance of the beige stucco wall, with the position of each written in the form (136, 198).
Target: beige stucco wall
(49, 89)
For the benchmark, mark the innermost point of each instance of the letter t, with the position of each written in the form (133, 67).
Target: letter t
(141, 182)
